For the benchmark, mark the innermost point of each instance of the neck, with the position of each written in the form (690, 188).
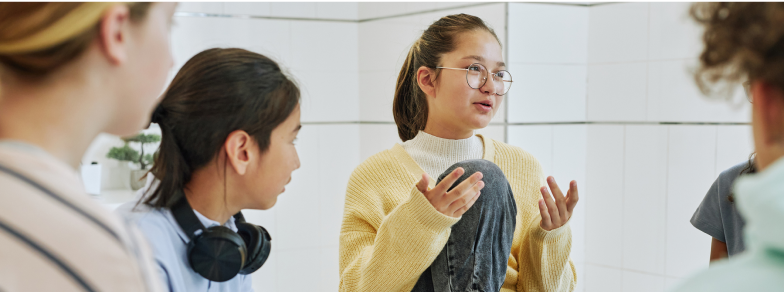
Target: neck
(207, 195)
(446, 131)
(57, 116)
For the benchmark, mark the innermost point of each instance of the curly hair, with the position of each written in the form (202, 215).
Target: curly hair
(743, 41)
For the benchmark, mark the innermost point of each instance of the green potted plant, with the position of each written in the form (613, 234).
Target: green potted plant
(128, 154)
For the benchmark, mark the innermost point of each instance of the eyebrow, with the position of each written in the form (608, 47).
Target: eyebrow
(480, 59)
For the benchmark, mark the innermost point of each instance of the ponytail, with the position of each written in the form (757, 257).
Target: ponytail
(409, 106)
(216, 92)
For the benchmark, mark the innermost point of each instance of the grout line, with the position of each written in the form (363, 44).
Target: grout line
(506, 48)
(248, 16)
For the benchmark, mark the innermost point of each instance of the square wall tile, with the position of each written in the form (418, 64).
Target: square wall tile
(617, 92)
(293, 9)
(569, 163)
(338, 156)
(337, 44)
(369, 10)
(322, 272)
(265, 278)
(645, 190)
(200, 7)
(604, 195)
(247, 8)
(337, 10)
(602, 279)
(640, 282)
(416, 7)
(376, 93)
(734, 144)
(546, 33)
(537, 140)
(673, 96)
(495, 132)
(618, 32)
(384, 44)
(374, 138)
(547, 93)
(672, 32)
(329, 95)
(494, 16)
(690, 173)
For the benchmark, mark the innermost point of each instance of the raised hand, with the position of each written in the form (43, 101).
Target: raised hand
(556, 212)
(457, 201)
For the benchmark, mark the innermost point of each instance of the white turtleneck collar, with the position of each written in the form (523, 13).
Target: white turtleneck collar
(436, 154)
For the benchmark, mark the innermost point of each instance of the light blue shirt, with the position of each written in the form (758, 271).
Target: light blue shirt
(170, 243)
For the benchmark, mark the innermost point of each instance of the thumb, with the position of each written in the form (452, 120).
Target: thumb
(423, 183)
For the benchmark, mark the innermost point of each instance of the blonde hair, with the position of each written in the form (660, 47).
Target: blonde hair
(37, 38)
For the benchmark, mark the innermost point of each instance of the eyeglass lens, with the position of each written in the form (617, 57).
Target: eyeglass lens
(476, 75)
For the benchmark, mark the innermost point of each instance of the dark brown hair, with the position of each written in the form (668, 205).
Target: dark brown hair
(743, 40)
(19, 20)
(216, 92)
(410, 104)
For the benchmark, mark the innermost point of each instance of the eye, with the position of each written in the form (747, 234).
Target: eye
(474, 68)
(500, 74)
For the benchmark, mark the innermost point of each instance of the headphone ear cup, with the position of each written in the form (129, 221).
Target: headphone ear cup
(217, 254)
(258, 241)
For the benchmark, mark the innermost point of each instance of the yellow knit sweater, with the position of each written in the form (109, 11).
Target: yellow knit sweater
(391, 233)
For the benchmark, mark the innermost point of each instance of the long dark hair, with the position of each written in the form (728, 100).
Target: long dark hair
(410, 104)
(216, 92)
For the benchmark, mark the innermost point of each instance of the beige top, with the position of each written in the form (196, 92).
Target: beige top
(54, 237)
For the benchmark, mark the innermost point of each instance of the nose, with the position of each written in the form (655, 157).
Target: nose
(489, 87)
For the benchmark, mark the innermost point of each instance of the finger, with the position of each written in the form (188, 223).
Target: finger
(465, 198)
(560, 200)
(448, 181)
(465, 208)
(572, 197)
(465, 186)
(545, 224)
(552, 208)
(423, 183)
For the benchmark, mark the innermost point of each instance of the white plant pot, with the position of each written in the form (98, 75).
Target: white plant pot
(138, 178)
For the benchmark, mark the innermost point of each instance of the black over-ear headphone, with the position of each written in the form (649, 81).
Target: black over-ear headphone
(218, 253)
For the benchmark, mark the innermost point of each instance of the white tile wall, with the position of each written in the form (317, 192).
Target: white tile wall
(547, 93)
(604, 196)
(247, 8)
(375, 138)
(644, 210)
(293, 9)
(602, 279)
(200, 7)
(690, 173)
(672, 33)
(617, 92)
(618, 33)
(640, 282)
(545, 33)
(537, 140)
(734, 144)
(329, 95)
(337, 10)
(569, 152)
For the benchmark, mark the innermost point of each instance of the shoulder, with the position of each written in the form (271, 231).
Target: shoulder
(734, 171)
(381, 166)
(157, 225)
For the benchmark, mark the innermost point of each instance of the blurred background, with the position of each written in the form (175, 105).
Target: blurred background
(603, 94)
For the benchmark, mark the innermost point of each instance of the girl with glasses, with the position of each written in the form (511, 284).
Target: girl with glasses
(486, 223)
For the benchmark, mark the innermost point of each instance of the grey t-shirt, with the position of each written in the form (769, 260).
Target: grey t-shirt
(717, 215)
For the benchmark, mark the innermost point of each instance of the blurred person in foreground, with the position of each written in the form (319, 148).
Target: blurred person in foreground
(69, 71)
(745, 41)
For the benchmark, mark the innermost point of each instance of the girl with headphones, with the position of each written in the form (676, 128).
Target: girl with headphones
(228, 122)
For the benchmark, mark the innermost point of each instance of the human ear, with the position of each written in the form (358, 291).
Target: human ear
(238, 151)
(426, 81)
(113, 33)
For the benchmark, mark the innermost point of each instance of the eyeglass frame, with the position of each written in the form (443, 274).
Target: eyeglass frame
(485, 78)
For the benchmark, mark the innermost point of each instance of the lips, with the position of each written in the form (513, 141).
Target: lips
(485, 103)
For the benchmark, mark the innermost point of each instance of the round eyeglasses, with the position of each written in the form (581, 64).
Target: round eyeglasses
(476, 76)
